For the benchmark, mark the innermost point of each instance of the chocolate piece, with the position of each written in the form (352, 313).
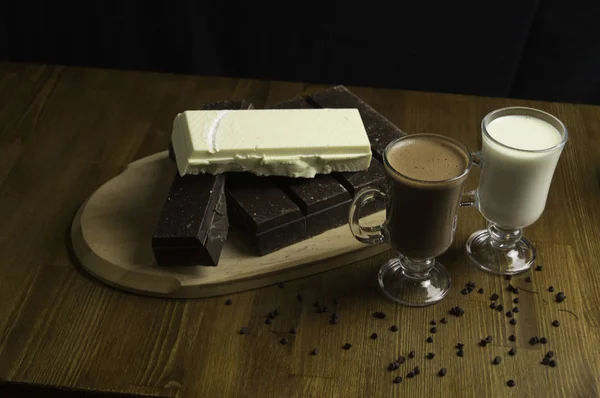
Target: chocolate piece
(512, 352)
(244, 330)
(355, 181)
(193, 226)
(347, 346)
(380, 130)
(374, 336)
(460, 353)
(513, 321)
(394, 328)
(442, 372)
(411, 354)
(497, 360)
(228, 302)
(511, 383)
(397, 380)
(315, 351)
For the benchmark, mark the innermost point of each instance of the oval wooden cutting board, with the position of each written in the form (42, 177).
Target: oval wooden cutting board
(111, 236)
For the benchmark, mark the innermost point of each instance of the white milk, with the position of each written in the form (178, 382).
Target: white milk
(514, 184)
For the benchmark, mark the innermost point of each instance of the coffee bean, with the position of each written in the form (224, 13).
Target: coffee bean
(528, 279)
(284, 341)
(411, 354)
(511, 383)
(394, 328)
(508, 277)
(551, 289)
(516, 300)
(228, 302)
(460, 346)
(444, 320)
(429, 339)
(281, 286)
(244, 330)
(397, 380)
(512, 352)
(379, 315)
(417, 370)
(509, 314)
(539, 267)
(347, 346)
(460, 353)
(516, 291)
(555, 323)
(374, 336)
(516, 309)
(315, 351)
(550, 354)
(464, 291)
(268, 321)
(560, 297)
(545, 361)
(494, 297)
(510, 287)
(553, 363)
(410, 375)
(293, 330)
(497, 360)
(493, 306)
(513, 321)
(442, 372)
(481, 291)
(401, 360)
(433, 330)
(543, 340)
(512, 337)
(500, 308)
(430, 355)
(299, 297)
(432, 322)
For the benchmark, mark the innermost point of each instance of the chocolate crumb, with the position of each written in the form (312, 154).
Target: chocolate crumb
(512, 352)
(494, 297)
(508, 277)
(268, 321)
(471, 284)
(379, 315)
(315, 351)
(464, 291)
(539, 267)
(429, 339)
(432, 322)
(397, 380)
(516, 300)
(497, 360)
(560, 297)
(500, 307)
(228, 302)
(543, 340)
(480, 291)
(493, 306)
(553, 363)
(444, 320)
(411, 354)
(430, 355)
(457, 311)
(374, 336)
(545, 361)
(551, 289)
(410, 375)
(511, 383)
(244, 330)
(555, 323)
(512, 337)
(347, 346)
(293, 330)
(460, 346)
(513, 321)
(550, 354)
(299, 297)
(509, 314)
(528, 279)
(417, 370)
(394, 328)
(433, 330)
(271, 315)
(334, 321)
(516, 309)
(516, 290)
(284, 341)
(460, 353)
(276, 312)
(510, 287)
(392, 366)
(442, 372)
(401, 360)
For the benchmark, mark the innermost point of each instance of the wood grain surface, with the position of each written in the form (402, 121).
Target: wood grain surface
(65, 131)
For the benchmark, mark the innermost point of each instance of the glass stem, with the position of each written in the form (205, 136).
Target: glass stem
(504, 238)
(416, 269)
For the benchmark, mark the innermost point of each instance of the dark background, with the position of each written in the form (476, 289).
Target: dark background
(539, 49)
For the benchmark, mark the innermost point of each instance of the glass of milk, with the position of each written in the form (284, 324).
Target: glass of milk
(520, 149)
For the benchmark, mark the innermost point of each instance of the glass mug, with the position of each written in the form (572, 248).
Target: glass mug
(513, 186)
(425, 180)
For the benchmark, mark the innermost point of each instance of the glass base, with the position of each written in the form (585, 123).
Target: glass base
(511, 260)
(410, 288)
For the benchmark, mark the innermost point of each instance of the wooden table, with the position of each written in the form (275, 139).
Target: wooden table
(65, 131)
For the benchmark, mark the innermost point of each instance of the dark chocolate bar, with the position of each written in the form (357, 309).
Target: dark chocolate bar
(193, 225)
(380, 130)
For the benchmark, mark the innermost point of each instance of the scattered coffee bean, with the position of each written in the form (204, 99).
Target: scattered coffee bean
(347, 346)
(433, 330)
(545, 361)
(410, 375)
(516, 309)
(401, 360)
(281, 286)
(293, 330)
(457, 311)
(315, 351)
(493, 306)
(510, 287)
(228, 302)
(508, 277)
(512, 352)
(464, 291)
(244, 330)
(528, 279)
(444, 320)
(374, 336)
(497, 360)
(500, 307)
(394, 328)
(543, 340)
(299, 297)
(551, 289)
(516, 300)
(460, 346)
(539, 267)
(284, 341)
(460, 353)
(550, 354)
(397, 380)
(432, 322)
(268, 321)
(430, 355)
(379, 315)
(429, 339)
(417, 370)
(509, 314)
(560, 297)
(494, 297)
(516, 290)
(512, 337)
(553, 363)
(555, 323)
(442, 372)
(513, 321)
(511, 383)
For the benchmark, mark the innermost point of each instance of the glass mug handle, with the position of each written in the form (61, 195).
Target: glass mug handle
(370, 235)
(471, 198)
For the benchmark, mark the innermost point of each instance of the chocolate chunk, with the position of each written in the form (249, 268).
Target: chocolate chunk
(528, 279)
(513, 321)
(551, 289)
(545, 361)
(444, 320)
(512, 337)
(401, 360)
(494, 297)
(552, 363)
(460, 346)
(493, 306)
(429, 339)
(392, 366)
(543, 340)
(555, 323)
(430, 355)
(379, 315)
(497, 360)
(347, 346)
(394, 328)
(244, 330)
(410, 375)
(411, 354)
(516, 310)
(512, 352)
(315, 351)
(397, 380)
(460, 353)
(457, 311)
(549, 354)
(228, 302)
(417, 370)
(442, 372)
(374, 336)
(534, 340)
(510, 287)
(433, 330)
(268, 321)
(192, 227)
(516, 300)
(465, 291)
(560, 297)
(511, 383)
(433, 322)
(500, 308)
(509, 314)
(380, 130)
(284, 341)
(539, 267)
(471, 284)
(480, 291)
(516, 290)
